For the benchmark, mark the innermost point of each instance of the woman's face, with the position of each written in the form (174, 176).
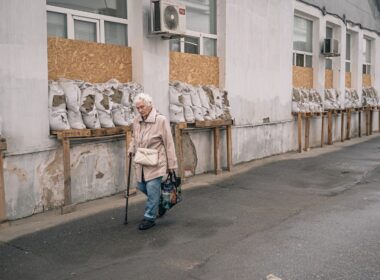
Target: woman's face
(143, 109)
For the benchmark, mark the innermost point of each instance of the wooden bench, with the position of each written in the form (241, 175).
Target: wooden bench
(65, 136)
(215, 125)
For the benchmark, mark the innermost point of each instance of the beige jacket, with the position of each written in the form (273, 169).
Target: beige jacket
(153, 133)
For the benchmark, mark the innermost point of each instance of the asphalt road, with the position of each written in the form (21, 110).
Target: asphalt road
(300, 218)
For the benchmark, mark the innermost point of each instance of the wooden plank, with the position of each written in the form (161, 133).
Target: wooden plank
(213, 123)
(178, 149)
(229, 147)
(360, 122)
(108, 131)
(307, 133)
(348, 129)
(367, 121)
(61, 134)
(323, 130)
(299, 130)
(370, 121)
(329, 128)
(66, 171)
(342, 126)
(217, 150)
(3, 144)
(3, 215)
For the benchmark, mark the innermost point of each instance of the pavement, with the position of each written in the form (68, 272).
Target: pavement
(313, 215)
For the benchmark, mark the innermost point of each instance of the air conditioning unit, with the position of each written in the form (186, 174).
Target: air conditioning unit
(167, 18)
(330, 48)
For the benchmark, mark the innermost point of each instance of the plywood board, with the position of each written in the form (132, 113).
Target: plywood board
(367, 80)
(329, 78)
(88, 61)
(194, 69)
(348, 80)
(302, 77)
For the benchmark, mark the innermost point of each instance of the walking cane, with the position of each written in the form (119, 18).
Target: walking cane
(127, 196)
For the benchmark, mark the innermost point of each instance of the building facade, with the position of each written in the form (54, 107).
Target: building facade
(261, 47)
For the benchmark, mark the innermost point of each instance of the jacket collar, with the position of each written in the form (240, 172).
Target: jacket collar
(151, 117)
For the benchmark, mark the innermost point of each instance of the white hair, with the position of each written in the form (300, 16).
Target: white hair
(144, 97)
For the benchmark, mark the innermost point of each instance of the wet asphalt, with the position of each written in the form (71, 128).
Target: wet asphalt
(302, 219)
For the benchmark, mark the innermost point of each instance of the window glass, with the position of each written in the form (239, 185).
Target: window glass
(85, 30)
(348, 67)
(302, 34)
(300, 58)
(115, 33)
(309, 60)
(209, 46)
(56, 25)
(115, 8)
(191, 45)
(175, 45)
(329, 33)
(328, 63)
(367, 50)
(348, 47)
(201, 15)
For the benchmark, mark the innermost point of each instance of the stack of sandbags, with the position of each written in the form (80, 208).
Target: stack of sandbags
(91, 105)
(57, 107)
(351, 99)
(195, 103)
(73, 102)
(306, 100)
(370, 97)
(332, 99)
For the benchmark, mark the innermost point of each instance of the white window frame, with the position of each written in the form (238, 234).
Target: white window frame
(346, 60)
(304, 58)
(85, 16)
(295, 52)
(365, 63)
(199, 36)
(332, 37)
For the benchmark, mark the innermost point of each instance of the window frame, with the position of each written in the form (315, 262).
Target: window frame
(100, 20)
(305, 54)
(332, 37)
(367, 66)
(348, 61)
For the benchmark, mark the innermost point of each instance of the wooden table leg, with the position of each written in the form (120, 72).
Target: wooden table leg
(229, 147)
(370, 121)
(367, 121)
(360, 122)
(323, 130)
(179, 150)
(66, 171)
(217, 150)
(348, 128)
(3, 215)
(307, 133)
(299, 119)
(329, 128)
(342, 126)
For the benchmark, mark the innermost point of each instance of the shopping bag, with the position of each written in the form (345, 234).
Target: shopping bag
(171, 193)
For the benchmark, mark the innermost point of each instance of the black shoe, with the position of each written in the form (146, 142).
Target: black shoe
(146, 224)
(161, 211)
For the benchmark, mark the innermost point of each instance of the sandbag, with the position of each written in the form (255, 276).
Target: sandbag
(198, 115)
(105, 119)
(88, 109)
(118, 116)
(91, 119)
(195, 99)
(205, 101)
(58, 120)
(75, 119)
(188, 113)
(175, 97)
(186, 97)
(57, 100)
(176, 113)
(72, 94)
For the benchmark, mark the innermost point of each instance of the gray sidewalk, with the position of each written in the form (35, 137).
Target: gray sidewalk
(299, 216)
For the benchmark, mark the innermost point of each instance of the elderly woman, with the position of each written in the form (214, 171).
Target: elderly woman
(151, 130)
